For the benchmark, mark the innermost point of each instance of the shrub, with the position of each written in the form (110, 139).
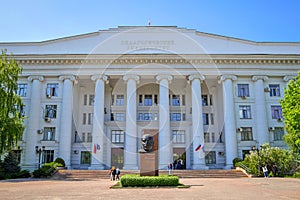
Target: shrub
(142, 181)
(60, 161)
(23, 174)
(236, 160)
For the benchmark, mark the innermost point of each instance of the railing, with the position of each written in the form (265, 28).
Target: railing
(51, 171)
(244, 167)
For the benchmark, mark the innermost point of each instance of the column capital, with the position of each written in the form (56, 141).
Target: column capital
(161, 77)
(227, 76)
(36, 77)
(196, 76)
(69, 77)
(131, 76)
(287, 78)
(260, 77)
(102, 77)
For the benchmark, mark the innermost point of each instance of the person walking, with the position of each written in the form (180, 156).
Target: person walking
(170, 168)
(265, 170)
(118, 174)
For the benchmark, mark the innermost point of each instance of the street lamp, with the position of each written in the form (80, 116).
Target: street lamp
(39, 151)
(254, 148)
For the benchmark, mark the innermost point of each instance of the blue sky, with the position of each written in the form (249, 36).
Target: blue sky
(256, 20)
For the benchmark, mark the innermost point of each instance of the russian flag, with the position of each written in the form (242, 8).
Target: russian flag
(95, 148)
(198, 148)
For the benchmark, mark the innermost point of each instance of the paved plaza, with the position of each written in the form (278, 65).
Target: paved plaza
(209, 188)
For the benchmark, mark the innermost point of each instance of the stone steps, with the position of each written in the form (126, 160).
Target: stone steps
(104, 174)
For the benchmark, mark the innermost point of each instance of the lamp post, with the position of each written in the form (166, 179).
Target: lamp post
(39, 151)
(254, 148)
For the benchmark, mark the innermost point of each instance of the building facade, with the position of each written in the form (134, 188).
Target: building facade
(90, 98)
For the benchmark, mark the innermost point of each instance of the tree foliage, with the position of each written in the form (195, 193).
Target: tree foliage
(11, 121)
(291, 113)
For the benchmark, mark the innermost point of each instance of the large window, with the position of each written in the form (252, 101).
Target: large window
(210, 157)
(243, 90)
(204, 100)
(89, 137)
(276, 112)
(245, 112)
(274, 90)
(148, 100)
(246, 134)
(90, 118)
(278, 133)
(22, 89)
(178, 136)
(117, 136)
(175, 100)
(52, 90)
(205, 118)
(119, 117)
(120, 100)
(91, 99)
(50, 111)
(48, 156)
(86, 158)
(49, 133)
(206, 137)
(175, 117)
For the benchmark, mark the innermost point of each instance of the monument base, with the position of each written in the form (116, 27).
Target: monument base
(148, 164)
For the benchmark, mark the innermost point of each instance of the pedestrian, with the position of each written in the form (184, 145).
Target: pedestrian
(265, 170)
(274, 170)
(112, 173)
(118, 173)
(170, 168)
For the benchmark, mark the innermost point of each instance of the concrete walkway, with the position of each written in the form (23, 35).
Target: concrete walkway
(208, 188)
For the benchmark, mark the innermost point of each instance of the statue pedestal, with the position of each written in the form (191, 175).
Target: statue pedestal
(148, 164)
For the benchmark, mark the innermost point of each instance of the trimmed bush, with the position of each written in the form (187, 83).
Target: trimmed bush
(60, 161)
(130, 180)
(236, 160)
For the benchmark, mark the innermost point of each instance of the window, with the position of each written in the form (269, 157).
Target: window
(120, 100)
(246, 134)
(52, 90)
(276, 112)
(84, 118)
(183, 99)
(211, 118)
(210, 100)
(213, 137)
(17, 154)
(85, 100)
(91, 99)
(243, 90)
(140, 100)
(274, 90)
(206, 137)
(22, 90)
(120, 117)
(155, 100)
(205, 118)
(117, 136)
(245, 112)
(86, 158)
(148, 100)
(210, 157)
(112, 100)
(204, 100)
(175, 117)
(89, 137)
(147, 117)
(49, 133)
(21, 110)
(278, 133)
(175, 100)
(83, 137)
(178, 136)
(48, 156)
(90, 118)
(50, 111)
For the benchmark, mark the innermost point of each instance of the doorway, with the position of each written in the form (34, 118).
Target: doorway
(179, 157)
(117, 157)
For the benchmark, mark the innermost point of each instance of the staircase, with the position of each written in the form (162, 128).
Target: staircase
(103, 174)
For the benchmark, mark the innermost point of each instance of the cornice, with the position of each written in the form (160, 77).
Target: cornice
(230, 59)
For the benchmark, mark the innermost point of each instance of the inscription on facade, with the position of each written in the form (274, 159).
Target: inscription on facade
(147, 44)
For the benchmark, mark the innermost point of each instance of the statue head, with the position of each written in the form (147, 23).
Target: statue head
(147, 142)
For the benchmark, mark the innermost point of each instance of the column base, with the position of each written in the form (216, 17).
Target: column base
(200, 167)
(96, 167)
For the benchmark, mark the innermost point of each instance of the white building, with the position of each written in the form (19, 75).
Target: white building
(90, 98)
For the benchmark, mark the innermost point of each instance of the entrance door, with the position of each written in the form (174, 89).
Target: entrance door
(117, 157)
(179, 157)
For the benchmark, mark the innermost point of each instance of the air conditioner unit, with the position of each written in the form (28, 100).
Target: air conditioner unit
(267, 89)
(76, 152)
(40, 131)
(239, 129)
(48, 96)
(280, 119)
(271, 128)
(47, 119)
(243, 97)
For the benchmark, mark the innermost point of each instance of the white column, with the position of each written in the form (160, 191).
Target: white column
(229, 119)
(65, 134)
(197, 121)
(261, 112)
(98, 122)
(33, 123)
(164, 137)
(131, 151)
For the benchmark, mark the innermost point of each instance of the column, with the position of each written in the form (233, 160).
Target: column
(261, 112)
(66, 119)
(98, 122)
(33, 122)
(131, 152)
(165, 150)
(197, 121)
(229, 119)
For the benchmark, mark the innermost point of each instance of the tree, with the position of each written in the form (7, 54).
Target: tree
(291, 113)
(11, 120)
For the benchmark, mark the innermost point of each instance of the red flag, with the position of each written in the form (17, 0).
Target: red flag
(95, 148)
(198, 148)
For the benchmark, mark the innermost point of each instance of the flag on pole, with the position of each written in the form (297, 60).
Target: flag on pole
(95, 148)
(198, 148)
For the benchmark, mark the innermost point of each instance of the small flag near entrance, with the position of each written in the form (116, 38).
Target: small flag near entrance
(198, 148)
(95, 148)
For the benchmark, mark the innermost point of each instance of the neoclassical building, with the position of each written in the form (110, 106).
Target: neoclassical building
(90, 98)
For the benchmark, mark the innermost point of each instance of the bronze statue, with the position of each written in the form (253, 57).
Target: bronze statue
(147, 143)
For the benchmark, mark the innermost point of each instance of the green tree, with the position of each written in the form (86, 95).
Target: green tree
(11, 121)
(291, 113)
